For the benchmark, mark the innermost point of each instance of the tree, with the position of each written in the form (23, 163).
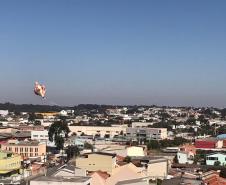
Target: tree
(153, 144)
(37, 122)
(223, 173)
(127, 159)
(88, 146)
(72, 151)
(217, 163)
(57, 132)
(31, 117)
(175, 159)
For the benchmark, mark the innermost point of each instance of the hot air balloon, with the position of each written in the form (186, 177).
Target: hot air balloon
(39, 90)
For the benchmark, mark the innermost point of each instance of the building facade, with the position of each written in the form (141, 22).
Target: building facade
(97, 161)
(212, 158)
(9, 162)
(108, 132)
(25, 148)
(146, 133)
(40, 135)
(157, 168)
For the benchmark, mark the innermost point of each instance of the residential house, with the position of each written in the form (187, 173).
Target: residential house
(208, 143)
(99, 178)
(125, 172)
(157, 167)
(185, 157)
(213, 178)
(212, 158)
(186, 154)
(135, 151)
(97, 161)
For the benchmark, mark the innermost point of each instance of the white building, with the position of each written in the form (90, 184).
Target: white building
(100, 131)
(42, 136)
(141, 124)
(185, 157)
(148, 133)
(135, 151)
(63, 113)
(4, 112)
(212, 158)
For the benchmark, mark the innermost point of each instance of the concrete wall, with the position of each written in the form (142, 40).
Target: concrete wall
(157, 169)
(134, 151)
(96, 162)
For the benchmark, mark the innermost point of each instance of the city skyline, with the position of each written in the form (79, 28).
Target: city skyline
(115, 52)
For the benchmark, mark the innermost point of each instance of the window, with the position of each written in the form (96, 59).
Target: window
(26, 149)
(212, 158)
(31, 149)
(36, 149)
(21, 149)
(36, 154)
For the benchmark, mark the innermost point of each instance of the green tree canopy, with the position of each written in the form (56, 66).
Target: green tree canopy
(88, 146)
(72, 151)
(223, 173)
(57, 132)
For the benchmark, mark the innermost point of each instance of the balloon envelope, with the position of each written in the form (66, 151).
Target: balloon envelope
(39, 90)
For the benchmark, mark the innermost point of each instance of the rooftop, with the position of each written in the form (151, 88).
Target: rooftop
(22, 143)
(102, 153)
(130, 181)
(77, 179)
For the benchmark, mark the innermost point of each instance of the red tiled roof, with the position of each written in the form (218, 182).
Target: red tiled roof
(104, 175)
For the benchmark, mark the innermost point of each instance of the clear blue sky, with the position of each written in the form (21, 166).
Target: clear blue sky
(114, 52)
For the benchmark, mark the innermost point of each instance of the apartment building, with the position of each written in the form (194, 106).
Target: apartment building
(148, 133)
(108, 132)
(9, 163)
(40, 135)
(25, 148)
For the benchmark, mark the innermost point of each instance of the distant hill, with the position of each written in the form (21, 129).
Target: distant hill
(30, 108)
